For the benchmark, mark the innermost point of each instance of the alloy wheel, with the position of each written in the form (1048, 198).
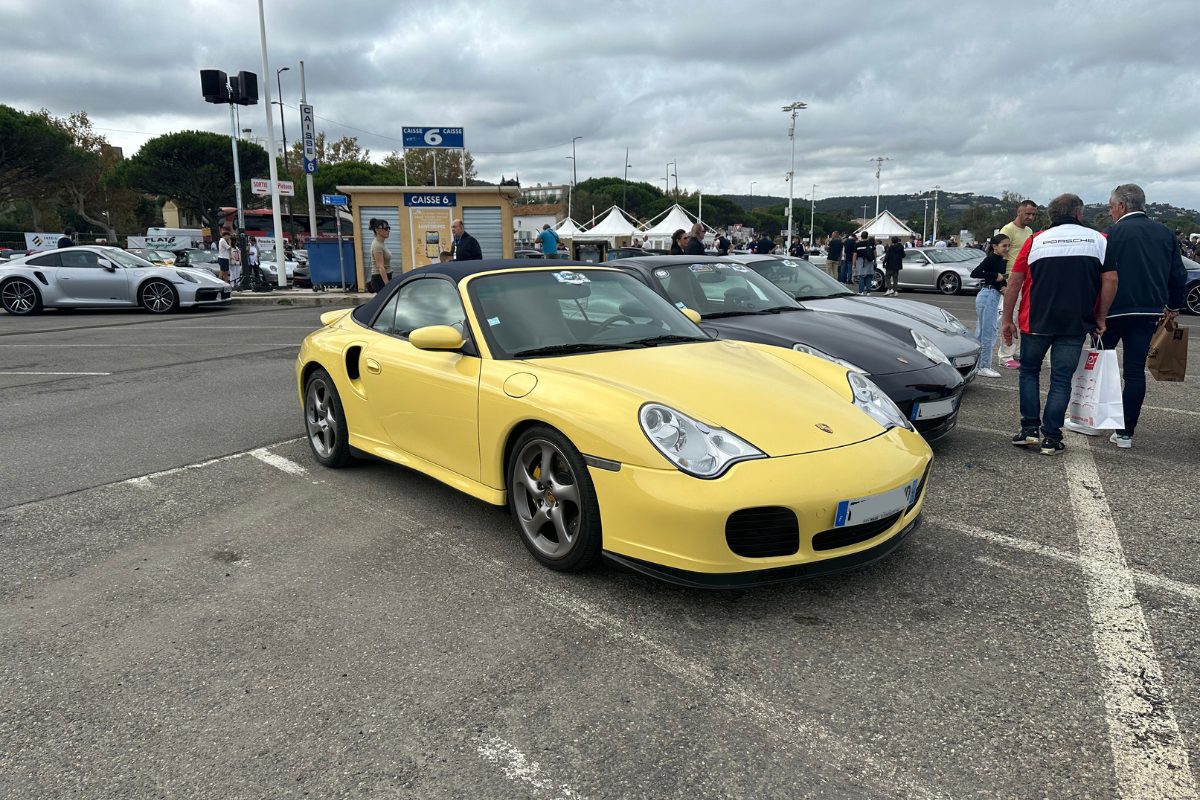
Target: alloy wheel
(1193, 299)
(320, 417)
(158, 297)
(949, 283)
(19, 297)
(547, 498)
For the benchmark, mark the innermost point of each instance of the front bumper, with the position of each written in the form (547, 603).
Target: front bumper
(672, 521)
(924, 386)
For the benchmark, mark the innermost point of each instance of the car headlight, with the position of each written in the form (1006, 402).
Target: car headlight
(954, 323)
(186, 276)
(877, 405)
(928, 348)
(841, 362)
(692, 446)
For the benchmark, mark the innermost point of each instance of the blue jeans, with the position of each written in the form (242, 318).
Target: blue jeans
(864, 284)
(1136, 333)
(987, 309)
(1064, 357)
(844, 270)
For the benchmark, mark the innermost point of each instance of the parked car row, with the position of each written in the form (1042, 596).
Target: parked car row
(641, 412)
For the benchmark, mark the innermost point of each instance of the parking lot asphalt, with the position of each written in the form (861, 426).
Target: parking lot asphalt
(190, 606)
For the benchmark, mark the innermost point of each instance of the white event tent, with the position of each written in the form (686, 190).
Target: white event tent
(676, 217)
(567, 229)
(615, 226)
(885, 226)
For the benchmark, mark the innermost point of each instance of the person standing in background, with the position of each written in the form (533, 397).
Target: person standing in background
(864, 265)
(549, 241)
(991, 271)
(381, 257)
(722, 245)
(893, 260)
(849, 253)
(695, 245)
(1017, 232)
(833, 262)
(65, 240)
(465, 247)
(223, 255)
(1152, 283)
(235, 265)
(678, 240)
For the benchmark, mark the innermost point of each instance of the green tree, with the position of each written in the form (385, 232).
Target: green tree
(34, 158)
(419, 163)
(1185, 225)
(979, 221)
(193, 168)
(354, 173)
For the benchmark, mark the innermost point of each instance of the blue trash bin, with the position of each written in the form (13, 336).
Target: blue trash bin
(323, 266)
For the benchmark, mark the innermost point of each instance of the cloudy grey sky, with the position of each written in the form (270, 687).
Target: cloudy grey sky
(1037, 97)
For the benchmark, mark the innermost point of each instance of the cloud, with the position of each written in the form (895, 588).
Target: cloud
(983, 96)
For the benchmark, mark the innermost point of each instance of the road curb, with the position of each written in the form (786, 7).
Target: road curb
(299, 299)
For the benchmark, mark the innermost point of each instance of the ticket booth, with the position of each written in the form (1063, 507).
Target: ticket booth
(420, 217)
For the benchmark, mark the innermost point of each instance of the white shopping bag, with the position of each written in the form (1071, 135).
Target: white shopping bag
(1096, 391)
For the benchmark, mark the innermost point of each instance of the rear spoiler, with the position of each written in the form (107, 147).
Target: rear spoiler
(330, 317)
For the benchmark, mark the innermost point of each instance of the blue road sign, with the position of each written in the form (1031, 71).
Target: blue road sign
(334, 199)
(308, 136)
(451, 138)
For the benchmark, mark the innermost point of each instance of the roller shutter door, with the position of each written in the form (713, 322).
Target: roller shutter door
(483, 222)
(391, 214)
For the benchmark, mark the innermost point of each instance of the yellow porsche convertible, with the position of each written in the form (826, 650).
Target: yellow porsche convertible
(613, 426)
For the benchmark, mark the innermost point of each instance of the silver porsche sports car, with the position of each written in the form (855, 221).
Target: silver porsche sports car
(103, 277)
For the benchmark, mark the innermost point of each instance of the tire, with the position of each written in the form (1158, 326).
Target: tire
(21, 298)
(1193, 298)
(877, 281)
(570, 540)
(949, 283)
(325, 422)
(158, 297)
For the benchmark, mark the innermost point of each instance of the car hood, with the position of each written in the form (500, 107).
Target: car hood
(871, 349)
(893, 318)
(770, 397)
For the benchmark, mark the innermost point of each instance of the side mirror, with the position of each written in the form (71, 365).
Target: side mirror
(108, 265)
(691, 314)
(790, 294)
(436, 337)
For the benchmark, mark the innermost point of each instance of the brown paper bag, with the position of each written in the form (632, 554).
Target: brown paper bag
(1167, 360)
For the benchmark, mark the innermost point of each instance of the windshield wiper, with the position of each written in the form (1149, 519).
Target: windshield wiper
(778, 309)
(663, 338)
(566, 349)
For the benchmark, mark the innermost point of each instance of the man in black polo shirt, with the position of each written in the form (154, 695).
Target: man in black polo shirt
(1153, 283)
(764, 245)
(835, 255)
(1065, 288)
(849, 253)
(722, 245)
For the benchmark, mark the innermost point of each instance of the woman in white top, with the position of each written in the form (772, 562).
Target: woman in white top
(235, 265)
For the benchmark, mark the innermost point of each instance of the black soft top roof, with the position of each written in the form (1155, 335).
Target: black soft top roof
(457, 271)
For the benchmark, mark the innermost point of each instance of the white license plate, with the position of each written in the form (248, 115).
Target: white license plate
(868, 509)
(964, 361)
(938, 408)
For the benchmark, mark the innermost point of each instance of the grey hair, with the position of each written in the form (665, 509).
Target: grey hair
(1065, 205)
(1131, 195)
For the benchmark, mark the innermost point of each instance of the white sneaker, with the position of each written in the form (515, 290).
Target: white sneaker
(1125, 442)
(988, 372)
(1086, 430)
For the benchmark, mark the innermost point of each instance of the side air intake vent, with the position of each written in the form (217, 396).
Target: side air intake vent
(844, 537)
(352, 358)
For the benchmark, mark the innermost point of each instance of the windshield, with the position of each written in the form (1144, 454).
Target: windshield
(202, 257)
(573, 311)
(800, 278)
(127, 259)
(949, 255)
(720, 290)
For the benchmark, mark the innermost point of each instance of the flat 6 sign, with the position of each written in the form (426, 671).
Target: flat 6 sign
(451, 138)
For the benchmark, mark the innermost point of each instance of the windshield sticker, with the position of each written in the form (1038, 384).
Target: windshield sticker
(493, 320)
(790, 263)
(662, 273)
(680, 305)
(571, 277)
(701, 267)
(738, 268)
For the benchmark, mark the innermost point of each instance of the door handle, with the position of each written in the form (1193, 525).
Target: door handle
(373, 366)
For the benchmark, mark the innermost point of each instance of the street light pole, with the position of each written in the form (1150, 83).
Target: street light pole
(878, 167)
(812, 221)
(793, 108)
(935, 219)
(279, 261)
(925, 224)
(752, 191)
(283, 131)
(571, 188)
(574, 173)
(625, 182)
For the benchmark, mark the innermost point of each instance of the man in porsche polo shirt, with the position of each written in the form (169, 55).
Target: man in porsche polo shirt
(1065, 291)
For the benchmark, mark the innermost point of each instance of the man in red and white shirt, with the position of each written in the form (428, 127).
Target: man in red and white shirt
(1065, 291)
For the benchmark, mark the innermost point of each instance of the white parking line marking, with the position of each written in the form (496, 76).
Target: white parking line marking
(6, 372)
(517, 767)
(278, 462)
(1186, 590)
(1148, 753)
(144, 480)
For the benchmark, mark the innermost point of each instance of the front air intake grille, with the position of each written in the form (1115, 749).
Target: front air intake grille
(853, 534)
(207, 294)
(763, 532)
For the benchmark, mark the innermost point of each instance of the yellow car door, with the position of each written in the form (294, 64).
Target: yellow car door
(425, 400)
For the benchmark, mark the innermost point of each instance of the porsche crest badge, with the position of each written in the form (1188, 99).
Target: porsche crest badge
(824, 427)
